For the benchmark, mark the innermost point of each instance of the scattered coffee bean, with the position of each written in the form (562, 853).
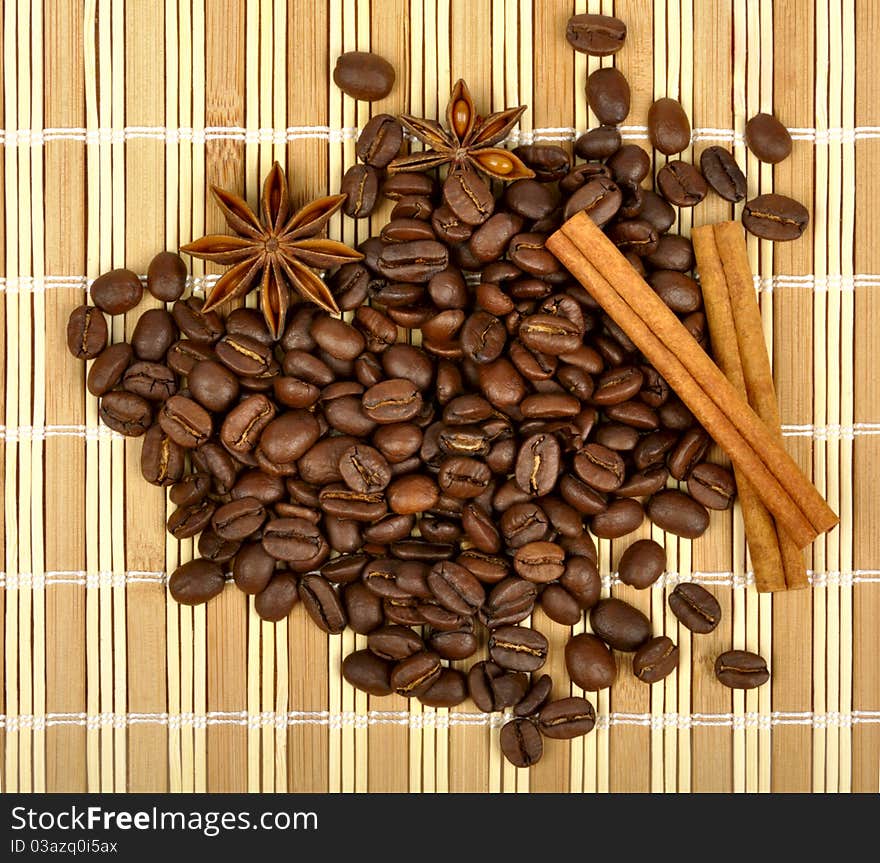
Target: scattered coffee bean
(695, 607)
(589, 662)
(740, 669)
(767, 138)
(775, 217)
(668, 126)
(86, 332)
(117, 292)
(619, 624)
(597, 35)
(723, 174)
(642, 563)
(363, 76)
(655, 659)
(521, 742)
(567, 718)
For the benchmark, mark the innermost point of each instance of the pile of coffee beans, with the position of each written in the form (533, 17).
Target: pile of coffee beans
(431, 494)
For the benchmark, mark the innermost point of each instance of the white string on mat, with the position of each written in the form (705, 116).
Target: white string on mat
(263, 719)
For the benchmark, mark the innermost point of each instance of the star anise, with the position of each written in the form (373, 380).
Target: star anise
(275, 252)
(468, 141)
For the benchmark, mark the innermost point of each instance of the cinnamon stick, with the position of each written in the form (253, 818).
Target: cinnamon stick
(761, 531)
(661, 337)
(731, 246)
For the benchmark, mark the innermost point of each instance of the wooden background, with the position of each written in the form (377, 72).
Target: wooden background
(118, 113)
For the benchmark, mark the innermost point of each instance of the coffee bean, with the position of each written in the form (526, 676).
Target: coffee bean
(297, 541)
(518, 648)
(567, 718)
(183, 355)
(126, 413)
(187, 521)
(723, 174)
(196, 582)
(212, 547)
(775, 217)
(539, 562)
(107, 370)
(740, 669)
(711, 485)
(239, 519)
(675, 512)
(86, 332)
(536, 697)
(682, 184)
(276, 600)
(322, 603)
(153, 335)
(619, 624)
(362, 607)
(608, 95)
(245, 423)
(162, 460)
(414, 676)
(599, 143)
(655, 659)
(548, 161)
(166, 277)
(581, 579)
(589, 663)
(368, 672)
(767, 138)
(412, 493)
(680, 292)
(151, 381)
(195, 324)
(455, 588)
(363, 76)
(449, 690)
(521, 742)
(379, 141)
(253, 568)
(695, 607)
(560, 606)
(618, 519)
(462, 477)
(668, 126)
(492, 688)
(538, 464)
(187, 423)
(600, 467)
(597, 35)
(630, 165)
(213, 385)
(468, 197)
(117, 292)
(642, 563)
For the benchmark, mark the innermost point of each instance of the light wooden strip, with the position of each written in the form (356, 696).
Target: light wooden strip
(282, 704)
(252, 99)
(3, 738)
(820, 391)
(847, 230)
(266, 767)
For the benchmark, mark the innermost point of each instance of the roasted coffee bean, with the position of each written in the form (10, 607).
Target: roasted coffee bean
(598, 143)
(608, 95)
(775, 217)
(468, 197)
(618, 385)
(644, 483)
(196, 325)
(213, 385)
(266, 488)
(549, 334)
(642, 563)
(767, 138)
(539, 562)
(253, 568)
(368, 672)
(549, 162)
(413, 493)
(241, 430)
(413, 207)
(480, 528)
(455, 588)
(483, 337)
(344, 569)
(490, 240)
(559, 605)
(239, 519)
(379, 141)
(657, 211)
(277, 598)
(682, 184)
(536, 697)
(695, 607)
(153, 335)
(322, 603)
(364, 469)
(213, 547)
(126, 413)
(213, 459)
(630, 164)
(360, 185)
(492, 688)
(723, 174)
(107, 370)
(196, 582)
(454, 644)
(675, 512)
(510, 601)
(518, 648)
(185, 422)
(567, 718)
(340, 501)
(416, 261)
(250, 323)
(394, 642)
(297, 541)
(673, 252)
(620, 517)
(619, 624)
(581, 579)
(538, 464)
(116, 292)
(711, 485)
(166, 277)
(589, 662)
(655, 659)
(449, 690)
(184, 354)
(668, 126)
(414, 676)
(152, 381)
(187, 521)
(600, 198)
(191, 489)
(600, 467)
(363, 76)
(680, 292)
(597, 35)
(86, 332)
(521, 742)
(362, 607)
(691, 447)
(740, 669)
(488, 568)
(633, 413)
(462, 477)
(530, 199)
(582, 497)
(162, 460)
(392, 401)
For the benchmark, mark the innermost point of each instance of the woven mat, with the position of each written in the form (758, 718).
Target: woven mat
(116, 117)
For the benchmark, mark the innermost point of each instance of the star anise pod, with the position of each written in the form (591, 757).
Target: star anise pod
(276, 251)
(468, 141)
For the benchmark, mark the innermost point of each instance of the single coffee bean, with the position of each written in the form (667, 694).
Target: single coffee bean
(362, 607)
(107, 370)
(166, 277)
(379, 141)
(619, 624)
(412, 493)
(455, 588)
(582, 497)
(548, 161)
(510, 601)
(86, 332)
(695, 607)
(680, 292)
(480, 528)
(213, 459)
(340, 501)
(518, 648)
(468, 197)
(243, 425)
(414, 676)
(691, 447)
(196, 582)
(630, 165)
(393, 642)
(363, 76)
(740, 669)
(213, 385)
(668, 126)
(567, 718)
(712, 485)
(620, 517)
(454, 644)
(449, 690)
(549, 334)
(392, 401)
(483, 337)
(266, 488)
(492, 688)
(589, 662)
(657, 211)
(185, 422)
(675, 512)
(117, 292)
(251, 323)
(673, 252)
(152, 381)
(581, 579)
(644, 483)
(767, 138)
(364, 469)
(126, 413)
(723, 174)
(560, 606)
(596, 35)
(464, 478)
(530, 199)
(187, 521)
(682, 184)
(538, 464)
(213, 547)
(490, 240)
(184, 354)
(600, 467)
(322, 603)
(598, 143)
(539, 562)
(608, 95)
(253, 568)
(360, 185)
(368, 672)
(600, 198)
(775, 217)
(618, 385)
(162, 460)
(239, 519)
(521, 742)
(655, 659)
(196, 325)
(297, 541)
(536, 697)
(642, 563)
(277, 598)
(153, 335)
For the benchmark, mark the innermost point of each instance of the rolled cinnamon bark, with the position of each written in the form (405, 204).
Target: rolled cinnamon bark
(607, 275)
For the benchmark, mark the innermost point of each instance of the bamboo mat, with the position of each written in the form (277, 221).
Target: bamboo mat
(117, 115)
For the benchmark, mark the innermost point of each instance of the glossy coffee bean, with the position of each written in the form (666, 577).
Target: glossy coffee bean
(368, 672)
(567, 718)
(518, 648)
(521, 742)
(166, 277)
(492, 688)
(415, 675)
(363, 76)
(253, 568)
(668, 126)
(740, 669)
(775, 217)
(597, 35)
(126, 413)
(608, 95)
(277, 598)
(107, 370)
(673, 511)
(642, 563)
(117, 292)
(681, 184)
(539, 562)
(321, 601)
(162, 460)
(537, 696)
(711, 485)
(196, 582)
(767, 138)
(723, 174)
(619, 518)
(362, 608)
(86, 332)
(655, 659)
(448, 690)
(589, 662)
(695, 607)
(360, 185)
(187, 423)
(619, 624)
